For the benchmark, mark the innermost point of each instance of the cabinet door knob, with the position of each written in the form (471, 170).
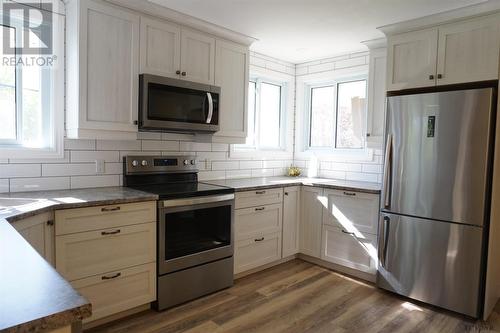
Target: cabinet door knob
(183, 73)
(177, 72)
(431, 77)
(440, 76)
(50, 222)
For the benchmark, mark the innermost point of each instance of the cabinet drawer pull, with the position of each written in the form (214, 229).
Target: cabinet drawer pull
(260, 192)
(183, 73)
(177, 72)
(440, 76)
(431, 77)
(105, 233)
(259, 239)
(109, 277)
(109, 209)
(260, 208)
(352, 194)
(347, 232)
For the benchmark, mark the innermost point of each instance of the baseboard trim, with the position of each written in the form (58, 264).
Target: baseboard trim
(338, 268)
(116, 316)
(263, 267)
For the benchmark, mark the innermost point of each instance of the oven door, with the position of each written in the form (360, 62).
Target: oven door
(178, 105)
(194, 231)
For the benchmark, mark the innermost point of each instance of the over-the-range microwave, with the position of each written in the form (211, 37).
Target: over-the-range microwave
(167, 104)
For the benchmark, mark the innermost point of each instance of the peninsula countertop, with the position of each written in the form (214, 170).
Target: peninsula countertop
(34, 297)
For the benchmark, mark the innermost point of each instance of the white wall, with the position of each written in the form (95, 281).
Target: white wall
(362, 166)
(77, 168)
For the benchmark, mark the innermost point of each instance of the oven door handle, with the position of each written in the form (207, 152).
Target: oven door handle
(210, 108)
(195, 200)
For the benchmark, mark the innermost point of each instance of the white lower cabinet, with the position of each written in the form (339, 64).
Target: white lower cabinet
(310, 221)
(257, 220)
(89, 253)
(257, 251)
(352, 211)
(119, 290)
(38, 230)
(291, 218)
(349, 250)
(108, 253)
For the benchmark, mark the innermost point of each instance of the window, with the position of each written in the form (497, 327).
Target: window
(31, 88)
(338, 115)
(265, 115)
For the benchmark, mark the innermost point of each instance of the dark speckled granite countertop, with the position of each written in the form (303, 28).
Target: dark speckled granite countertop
(250, 184)
(33, 296)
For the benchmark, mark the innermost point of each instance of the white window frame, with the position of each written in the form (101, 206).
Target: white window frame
(308, 109)
(285, 151)
(302, 124)
(54, 120)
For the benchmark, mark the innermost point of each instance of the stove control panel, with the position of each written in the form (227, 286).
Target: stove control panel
(160, 164)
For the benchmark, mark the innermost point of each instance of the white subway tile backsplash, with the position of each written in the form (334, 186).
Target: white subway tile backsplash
(148, 136)
(78, 156)
(39, 184)
(329, 66)
(332, 174)
(231, 174)
(4, 185)
(336, 166)
(372, 168)
(74, 169)
(272, 164)
(195, 146)
(64, 159)
(73, 144)
(359, 61)
(20, 170)
(250, 164)
(95, 181)
(160, 145)
(225, 165)
(220, 147)
(118, 145)
(211, 175)
(262, 173)
(363, 177)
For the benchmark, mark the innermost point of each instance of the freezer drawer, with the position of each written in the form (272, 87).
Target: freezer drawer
(431, 261)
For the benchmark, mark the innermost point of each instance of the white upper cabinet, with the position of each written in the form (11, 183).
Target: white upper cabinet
(412, 59)
(468, 51)
(103, 68)
(231, 75)
(160, 48)
(458, 52)
(376, 97)
(197, 57)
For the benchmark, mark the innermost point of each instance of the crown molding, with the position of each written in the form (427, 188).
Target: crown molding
(378, 43)
(153, 9)
(481, 9)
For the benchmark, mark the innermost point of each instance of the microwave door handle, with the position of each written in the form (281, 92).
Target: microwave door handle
(210, 108)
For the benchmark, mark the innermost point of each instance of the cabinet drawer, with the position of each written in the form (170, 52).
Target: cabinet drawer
(257, 221)
(69, 221)
(258, 198)
(254, 252)
(352, 211)
(95, 252)
(118, 291)
(347, 250)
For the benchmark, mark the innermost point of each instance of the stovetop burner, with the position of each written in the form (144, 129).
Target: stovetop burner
(168, 176)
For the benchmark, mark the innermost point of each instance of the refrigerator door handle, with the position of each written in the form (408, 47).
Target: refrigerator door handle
(387, 172)
(384, 235)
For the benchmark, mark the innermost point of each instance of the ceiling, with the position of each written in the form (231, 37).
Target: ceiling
(303, 30)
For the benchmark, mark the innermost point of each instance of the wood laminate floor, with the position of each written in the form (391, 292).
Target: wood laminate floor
(297, 297)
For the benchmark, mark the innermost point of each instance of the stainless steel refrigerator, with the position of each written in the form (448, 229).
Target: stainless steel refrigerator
(435, 198)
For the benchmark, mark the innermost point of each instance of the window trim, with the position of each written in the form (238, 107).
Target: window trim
(350, 152)
(284, 90)
(54, 119)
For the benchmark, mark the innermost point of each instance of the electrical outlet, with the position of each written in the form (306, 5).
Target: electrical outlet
(99, 166)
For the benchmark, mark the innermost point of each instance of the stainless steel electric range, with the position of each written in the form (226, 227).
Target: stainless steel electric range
(195, 227)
